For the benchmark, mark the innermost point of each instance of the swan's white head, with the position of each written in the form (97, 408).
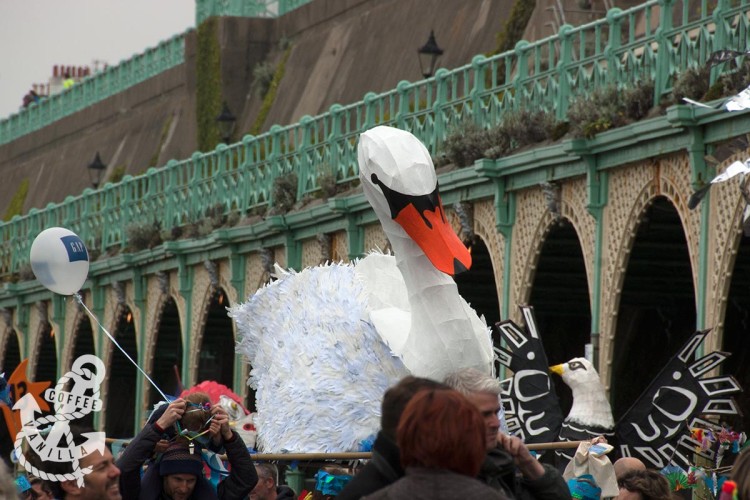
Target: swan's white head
(400, 183)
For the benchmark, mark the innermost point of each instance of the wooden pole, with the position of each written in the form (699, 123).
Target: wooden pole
(288, 457)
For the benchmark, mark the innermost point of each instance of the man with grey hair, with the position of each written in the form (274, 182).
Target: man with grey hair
(267, 489)
(506, 455)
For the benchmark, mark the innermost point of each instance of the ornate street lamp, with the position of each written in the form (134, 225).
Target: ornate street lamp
(96, 170)
(429, 55)
(226, 121)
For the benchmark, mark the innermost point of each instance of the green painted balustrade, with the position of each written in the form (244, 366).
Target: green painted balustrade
(244, 8)
(95, 88)
(656, 40)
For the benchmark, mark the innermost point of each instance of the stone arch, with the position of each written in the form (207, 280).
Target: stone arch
(728, 313)
(79, 339)
(533, 223)
(11, 352)
(167, 345)
(572, 212)
(657, 301)
(119, 411)
(484, 227)
(212, 356)
(45, 354)
(725, 241)
(631, 191)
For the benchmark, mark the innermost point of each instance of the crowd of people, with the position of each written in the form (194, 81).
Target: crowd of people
(438, 441)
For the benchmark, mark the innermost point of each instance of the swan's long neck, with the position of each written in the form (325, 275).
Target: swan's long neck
(445, 333)
(590, 405)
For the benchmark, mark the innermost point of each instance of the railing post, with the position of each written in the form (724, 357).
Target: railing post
(666, 8)
(565, 93)
(403, 103)
(440, 126)
(334, 139)
(522, 73)
(306, 174)
(370, 118)
(478, 68)
(614, 18)
(720, 37)
(271, 158)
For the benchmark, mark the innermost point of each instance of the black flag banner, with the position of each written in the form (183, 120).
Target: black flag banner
(656, 429)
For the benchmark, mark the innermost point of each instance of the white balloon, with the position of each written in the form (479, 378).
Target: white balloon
(60, 260)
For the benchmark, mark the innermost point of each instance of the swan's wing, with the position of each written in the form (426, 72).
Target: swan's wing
(387, 299)
(319, 367)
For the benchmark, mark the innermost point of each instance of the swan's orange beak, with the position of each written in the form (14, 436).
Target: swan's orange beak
(430, 229)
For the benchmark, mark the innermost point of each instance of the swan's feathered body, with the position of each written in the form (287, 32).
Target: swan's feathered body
(326, 343)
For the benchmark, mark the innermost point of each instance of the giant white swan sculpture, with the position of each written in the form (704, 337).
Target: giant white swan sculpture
(325, 343)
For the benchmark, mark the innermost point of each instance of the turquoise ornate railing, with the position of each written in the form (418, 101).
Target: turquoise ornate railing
(95, 88)
(244, 8)
(655, 40)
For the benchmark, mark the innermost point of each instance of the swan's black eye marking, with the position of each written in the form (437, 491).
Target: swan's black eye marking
(576, 365)
(398, 201)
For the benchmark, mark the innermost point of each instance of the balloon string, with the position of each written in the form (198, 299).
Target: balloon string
(80, 301)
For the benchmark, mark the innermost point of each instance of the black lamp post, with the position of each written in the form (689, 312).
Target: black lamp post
(226, 121)
(96, 169)
(429, 55)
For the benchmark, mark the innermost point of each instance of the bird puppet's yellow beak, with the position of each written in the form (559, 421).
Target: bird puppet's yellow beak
(557, 369)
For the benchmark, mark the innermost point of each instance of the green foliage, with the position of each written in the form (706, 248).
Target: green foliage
(731, 82)
(524, 127)
(143, 236)
(692, 83)
(327, 180)
(270, 96)
(208, 85)
(284, 193)
(514, 26)
(15, 207)
(609, 107)
(466, 144)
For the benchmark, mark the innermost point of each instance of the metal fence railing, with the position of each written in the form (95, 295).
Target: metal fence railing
(656, 40)
(95, 88)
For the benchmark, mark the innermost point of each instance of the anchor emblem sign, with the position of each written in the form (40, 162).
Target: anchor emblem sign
(75, 396)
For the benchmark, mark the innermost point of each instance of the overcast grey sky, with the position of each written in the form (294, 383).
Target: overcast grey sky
(35, 35)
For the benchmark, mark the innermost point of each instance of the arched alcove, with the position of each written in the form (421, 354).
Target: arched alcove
(477, 285)
(656, 314)
(735, 338)
(560, 297)
(167, 365)
(12, 353)
(121, 376)
(83, 343)
(46, 355)
(216, 356)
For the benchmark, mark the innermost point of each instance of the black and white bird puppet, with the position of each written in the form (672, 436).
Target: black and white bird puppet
(656, 428)
(591, 414)
(326, 342)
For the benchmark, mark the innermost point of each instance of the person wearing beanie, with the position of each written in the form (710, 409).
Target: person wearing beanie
(178, 474)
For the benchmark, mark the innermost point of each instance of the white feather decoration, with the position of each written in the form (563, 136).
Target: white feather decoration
(289, 334)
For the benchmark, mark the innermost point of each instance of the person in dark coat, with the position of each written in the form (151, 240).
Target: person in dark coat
(385, 466)
(267, 489)
(179, 472)
(508, 466)
(441, 438)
